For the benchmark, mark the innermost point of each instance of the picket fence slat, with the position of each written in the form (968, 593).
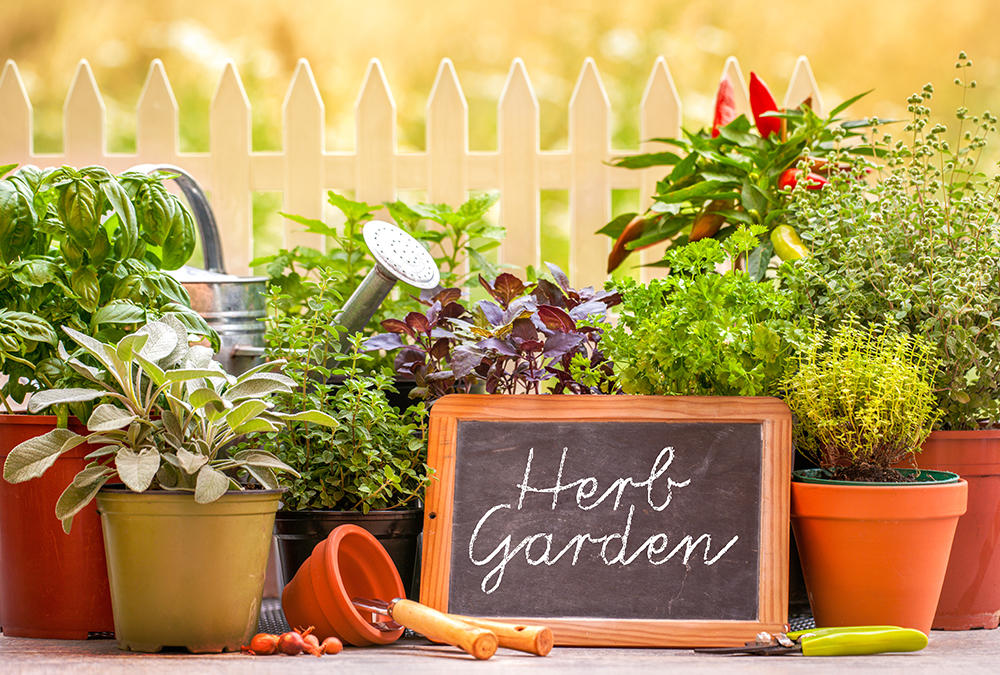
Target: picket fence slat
(304, 142)
(229, 181)
(83, 118)
(156, 128)
(15, 111)
(659, 117)
(589, 192)
(375, 170)
(517, 134)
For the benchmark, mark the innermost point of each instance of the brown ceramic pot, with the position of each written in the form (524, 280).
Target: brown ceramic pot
(349, 563)
(52, 584)
(971, 594)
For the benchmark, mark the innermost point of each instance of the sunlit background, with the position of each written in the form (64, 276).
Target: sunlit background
(893, 47)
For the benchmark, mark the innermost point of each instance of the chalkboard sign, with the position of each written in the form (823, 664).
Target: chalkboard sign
(615, 520)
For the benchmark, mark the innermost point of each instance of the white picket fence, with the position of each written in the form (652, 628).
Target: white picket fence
(231, 171)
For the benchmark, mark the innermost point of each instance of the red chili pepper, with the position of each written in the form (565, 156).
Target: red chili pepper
(725, 106)
(632, 231)
(790, 178)
(761, 101)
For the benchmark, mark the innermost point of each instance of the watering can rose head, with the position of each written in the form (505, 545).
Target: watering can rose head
(167, 415)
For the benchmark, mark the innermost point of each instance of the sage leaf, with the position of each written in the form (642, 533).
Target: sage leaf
(162, 340)
(76, 496)
(210, 485)
(245, 411)
(311, 416)
(34, 456)
(108, 417)
(262, 384)
(43, 399)
(137, 469)
(189, 461)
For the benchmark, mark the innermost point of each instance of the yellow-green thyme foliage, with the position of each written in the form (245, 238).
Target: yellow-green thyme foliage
(862, 398)
(702, 332)
(915, 244)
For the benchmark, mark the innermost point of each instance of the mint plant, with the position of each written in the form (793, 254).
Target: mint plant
(918, 249)
(168, 417)
(703, 332)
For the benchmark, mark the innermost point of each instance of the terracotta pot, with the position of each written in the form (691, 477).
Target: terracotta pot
(185, 574)
(971, 594)
(347, 564)
(52, 585)
(875, 554)
(298, 532)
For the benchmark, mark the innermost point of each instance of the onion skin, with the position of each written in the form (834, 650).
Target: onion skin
(264, 644)
(332, 645)
(291, 643)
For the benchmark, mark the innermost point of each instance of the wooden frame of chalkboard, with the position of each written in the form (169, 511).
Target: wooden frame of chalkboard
(686, 590)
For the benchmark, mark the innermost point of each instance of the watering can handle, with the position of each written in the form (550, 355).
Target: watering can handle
(211, 243)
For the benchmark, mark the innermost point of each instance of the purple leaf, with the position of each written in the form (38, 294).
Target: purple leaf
(524, 329)
(590, 308)
(386, 341)
(464, 359)
(558, 275)
(397, 326)
(418, 322)
(548, 293)
(491, 311)
(556, 319)
(562, 343)
(433, 312)
(498, 346)
(441, 375)
(440, 348)
(442, 333)
(531, 346)
(452, 310)
(447, 296)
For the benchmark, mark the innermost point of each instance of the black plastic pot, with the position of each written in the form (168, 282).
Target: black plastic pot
(298, 532)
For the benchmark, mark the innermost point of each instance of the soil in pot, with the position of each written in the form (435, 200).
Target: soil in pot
(298, 533)
(52, 584)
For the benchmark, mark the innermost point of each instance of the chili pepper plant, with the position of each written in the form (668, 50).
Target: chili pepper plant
(736, 173)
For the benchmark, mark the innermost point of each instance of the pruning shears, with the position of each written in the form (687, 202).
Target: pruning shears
(844, 641)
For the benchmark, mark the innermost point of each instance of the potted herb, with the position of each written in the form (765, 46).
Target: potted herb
(873, 541)
(728, 176)
(85, 249)
(702, 332)
(169, 416)
(527, 338)
(370, 470)
(920, 249)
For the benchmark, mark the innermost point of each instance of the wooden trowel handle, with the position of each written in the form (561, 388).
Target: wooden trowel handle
(479, 642)
(531, 639)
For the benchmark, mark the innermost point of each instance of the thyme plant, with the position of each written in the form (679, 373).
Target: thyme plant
(863, 400)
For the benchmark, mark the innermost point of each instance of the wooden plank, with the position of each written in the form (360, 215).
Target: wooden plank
(229, 128)
(375, 177)
(589, 191)
(156, 132)
(15, 110)
(774, 510)
(84, 120)
(659, 117)
(304, 119)
(517, 135)
(803, 86)
(447, 147)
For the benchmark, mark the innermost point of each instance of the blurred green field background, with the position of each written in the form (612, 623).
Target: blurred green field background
(893, 47)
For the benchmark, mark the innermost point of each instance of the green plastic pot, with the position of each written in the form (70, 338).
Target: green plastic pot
(821, 476)
(185, 574)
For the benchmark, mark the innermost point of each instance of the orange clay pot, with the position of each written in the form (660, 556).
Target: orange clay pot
(875, 554)
(349, 563)
(52, 584)
(971, 594)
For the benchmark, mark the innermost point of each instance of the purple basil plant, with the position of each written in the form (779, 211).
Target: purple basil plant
(527, 336)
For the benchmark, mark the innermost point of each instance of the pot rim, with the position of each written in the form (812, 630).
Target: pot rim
(119, 488)
(965, 434)
(926, 477)
(306, 513)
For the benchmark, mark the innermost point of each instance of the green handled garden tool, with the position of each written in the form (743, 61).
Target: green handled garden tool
(849, 641)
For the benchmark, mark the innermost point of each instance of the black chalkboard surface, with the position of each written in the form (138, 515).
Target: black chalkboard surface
(614, 519)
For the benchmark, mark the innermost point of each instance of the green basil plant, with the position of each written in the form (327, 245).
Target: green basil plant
(168, 420)
(85, 249)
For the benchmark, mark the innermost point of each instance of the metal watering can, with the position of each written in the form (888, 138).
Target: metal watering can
(236, 306)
